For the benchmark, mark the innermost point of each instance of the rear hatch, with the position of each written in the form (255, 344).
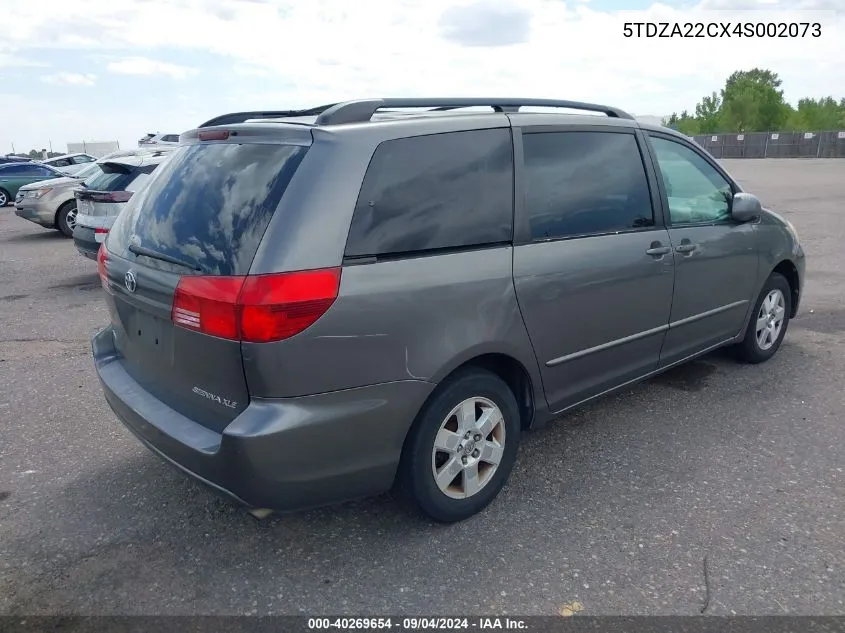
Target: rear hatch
(174, 267)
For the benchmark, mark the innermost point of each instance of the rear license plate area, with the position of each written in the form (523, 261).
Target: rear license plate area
(146, 340)
(152, 334)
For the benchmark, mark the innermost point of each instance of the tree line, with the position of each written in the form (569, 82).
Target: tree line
(752, 101)
(36, 154)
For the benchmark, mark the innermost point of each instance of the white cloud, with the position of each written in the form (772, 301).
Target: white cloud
(292, 53)
(13, 61)
(70, 79)
(149, 67)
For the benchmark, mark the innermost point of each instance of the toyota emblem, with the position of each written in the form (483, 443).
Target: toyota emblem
(129, 281)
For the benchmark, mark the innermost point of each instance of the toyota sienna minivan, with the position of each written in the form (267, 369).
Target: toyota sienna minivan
(314, 306)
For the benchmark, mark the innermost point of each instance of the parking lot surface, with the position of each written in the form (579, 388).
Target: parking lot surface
(715, 486)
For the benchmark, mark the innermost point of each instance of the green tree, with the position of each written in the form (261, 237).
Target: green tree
(794, 122)
(822, 114)
(683, 123)
(708, 113)
(753, 102)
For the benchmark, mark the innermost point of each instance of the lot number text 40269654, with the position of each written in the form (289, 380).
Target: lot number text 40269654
(722, 29)
(417, 624)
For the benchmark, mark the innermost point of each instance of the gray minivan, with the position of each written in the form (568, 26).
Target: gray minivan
(314, 306)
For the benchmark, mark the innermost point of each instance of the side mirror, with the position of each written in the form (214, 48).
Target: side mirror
(745, 207)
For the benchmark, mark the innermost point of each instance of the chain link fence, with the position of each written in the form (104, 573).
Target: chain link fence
(775, 144)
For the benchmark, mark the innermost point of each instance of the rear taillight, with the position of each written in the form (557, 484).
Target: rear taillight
(101, 266)
(100, 235)
(208, 305)
(108, 196)
(256, 308)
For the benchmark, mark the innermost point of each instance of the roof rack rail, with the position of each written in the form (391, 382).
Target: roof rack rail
(240, 117)
(363, 110)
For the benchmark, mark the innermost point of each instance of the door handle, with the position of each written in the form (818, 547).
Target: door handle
(658, 251)
(687, 247)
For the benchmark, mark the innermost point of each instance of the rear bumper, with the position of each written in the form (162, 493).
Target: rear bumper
(282, 454)
(36, 212)
(85, 242)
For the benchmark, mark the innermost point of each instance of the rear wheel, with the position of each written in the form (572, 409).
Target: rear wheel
(769, 321)
(66, 218)
(4, 197)
(461, 448)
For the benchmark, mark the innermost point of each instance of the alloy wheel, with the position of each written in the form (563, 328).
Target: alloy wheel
(468, 448)
(770, 319)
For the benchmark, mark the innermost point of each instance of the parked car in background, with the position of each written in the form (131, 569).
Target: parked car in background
(494, 269)
(13, 176)
(51, 203)
(69, 163)
(11, 158)
(158, 139)
(103, 195)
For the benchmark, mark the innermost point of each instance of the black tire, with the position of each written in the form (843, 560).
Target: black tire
(416, 481)
(4, 195)
(61, 218)
(750, 350)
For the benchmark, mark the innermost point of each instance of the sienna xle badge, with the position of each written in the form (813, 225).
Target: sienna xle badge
(312, 306)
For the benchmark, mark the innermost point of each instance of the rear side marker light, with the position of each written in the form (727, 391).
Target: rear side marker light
(255, 308)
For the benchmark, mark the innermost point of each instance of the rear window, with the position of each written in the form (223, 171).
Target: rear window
(434, 192)
(89, 170)
(112, 177)
(208, 205)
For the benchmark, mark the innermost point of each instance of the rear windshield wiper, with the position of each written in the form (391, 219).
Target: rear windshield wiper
(147, 252)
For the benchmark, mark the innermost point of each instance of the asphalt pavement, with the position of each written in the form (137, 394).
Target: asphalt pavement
(715, 487)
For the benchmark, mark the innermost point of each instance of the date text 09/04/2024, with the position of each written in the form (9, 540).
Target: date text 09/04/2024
(722, 29)
(417, 624)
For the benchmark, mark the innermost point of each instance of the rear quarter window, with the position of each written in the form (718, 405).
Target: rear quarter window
(435, 192)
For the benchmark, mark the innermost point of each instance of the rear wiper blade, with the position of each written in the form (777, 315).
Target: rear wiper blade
(148, 252)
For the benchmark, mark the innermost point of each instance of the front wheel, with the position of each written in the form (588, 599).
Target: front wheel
(461, 448)
(769, 321)
(66, 218)
(4, 197)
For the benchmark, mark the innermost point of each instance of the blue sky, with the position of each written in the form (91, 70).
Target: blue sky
(96, 70)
